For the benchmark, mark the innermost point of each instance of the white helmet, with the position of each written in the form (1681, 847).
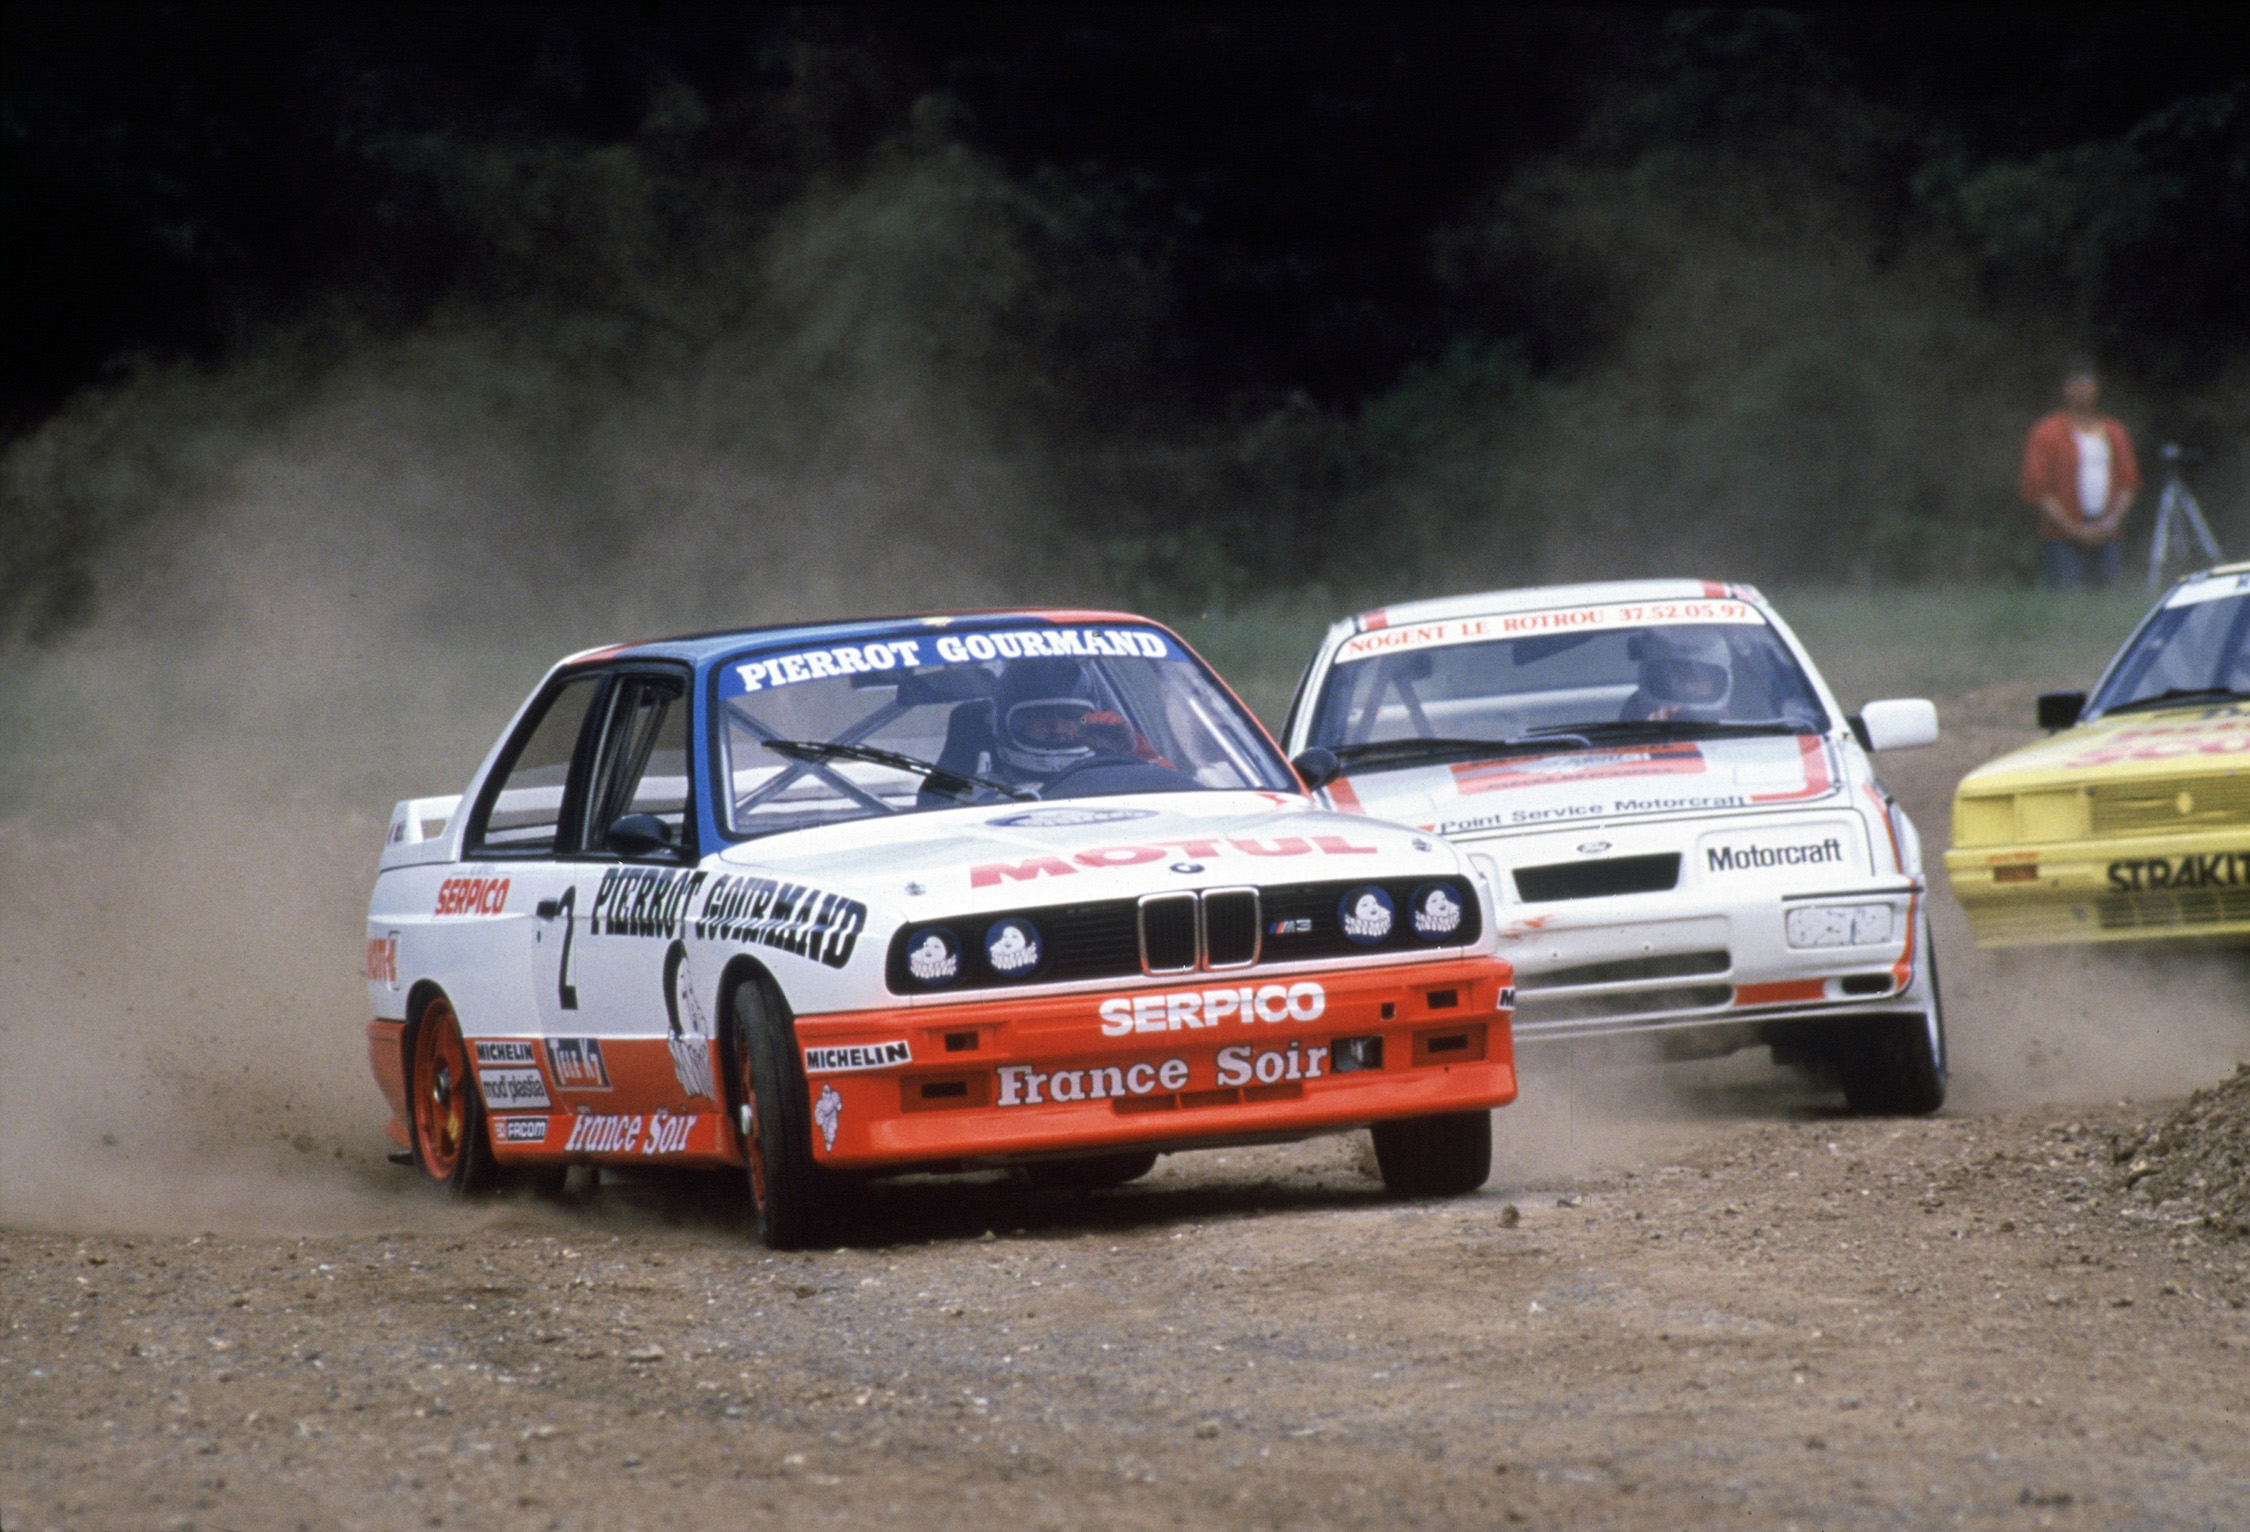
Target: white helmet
(1040, 714)
(1690, 669)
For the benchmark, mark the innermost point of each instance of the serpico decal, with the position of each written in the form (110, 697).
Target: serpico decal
(471, 896)
(1193, 1009)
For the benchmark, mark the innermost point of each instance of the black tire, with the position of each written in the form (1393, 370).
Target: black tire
(1894, 1066)
(796, 1202)
(1447, 1156)
(1097, 1173)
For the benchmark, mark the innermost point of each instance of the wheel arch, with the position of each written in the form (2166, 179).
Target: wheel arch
(740, 969)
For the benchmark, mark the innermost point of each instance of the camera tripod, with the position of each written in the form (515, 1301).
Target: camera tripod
(2178, 516)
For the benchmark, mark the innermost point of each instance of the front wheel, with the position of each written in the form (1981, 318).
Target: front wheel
(449, 1133)
(794, 1199)
(1894, 1066)
(1447, 1156)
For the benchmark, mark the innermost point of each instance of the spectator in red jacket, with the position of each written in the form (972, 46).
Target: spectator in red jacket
(2079, 473)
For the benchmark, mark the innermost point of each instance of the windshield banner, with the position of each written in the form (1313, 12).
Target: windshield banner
(1576, 619)
(828, 662)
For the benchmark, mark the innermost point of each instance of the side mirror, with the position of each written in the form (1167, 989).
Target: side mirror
(2060, 710)
(1319, 767)
(639, 835)
(1896, 723)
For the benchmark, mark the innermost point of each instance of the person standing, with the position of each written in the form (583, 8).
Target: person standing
(2079, 474)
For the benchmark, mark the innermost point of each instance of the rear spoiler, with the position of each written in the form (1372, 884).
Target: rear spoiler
(417, 832)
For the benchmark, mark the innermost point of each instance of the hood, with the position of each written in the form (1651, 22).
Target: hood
(1004, 856)
(1541, 792)
(2155, 742)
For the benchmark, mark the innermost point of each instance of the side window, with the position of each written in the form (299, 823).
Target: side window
(641, 766)
(522, 816)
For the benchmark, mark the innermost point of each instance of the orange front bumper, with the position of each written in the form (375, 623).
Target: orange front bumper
(1147, 1065)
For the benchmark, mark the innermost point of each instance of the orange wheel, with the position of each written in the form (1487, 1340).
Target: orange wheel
(449, 1136)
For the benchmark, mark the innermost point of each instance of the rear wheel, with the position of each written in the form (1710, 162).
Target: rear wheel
(1445, 1156)
(1096, 1173)
(450, 1142)
(1894, 1066)
(794, 1199)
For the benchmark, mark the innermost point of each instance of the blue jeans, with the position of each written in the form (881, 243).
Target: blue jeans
(2067, 566)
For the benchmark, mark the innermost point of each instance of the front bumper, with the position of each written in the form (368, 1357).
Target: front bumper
(2108, 890)
(1002, 1080)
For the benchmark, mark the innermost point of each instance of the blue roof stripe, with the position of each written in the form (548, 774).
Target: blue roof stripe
(701, 649)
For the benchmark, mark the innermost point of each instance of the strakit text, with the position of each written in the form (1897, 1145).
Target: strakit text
(2221, 869)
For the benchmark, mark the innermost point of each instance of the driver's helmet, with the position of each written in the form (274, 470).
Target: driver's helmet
(1689, 671)
(1042, 715)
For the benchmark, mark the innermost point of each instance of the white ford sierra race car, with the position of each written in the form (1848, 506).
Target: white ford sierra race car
(1689, 839)
(919, 894)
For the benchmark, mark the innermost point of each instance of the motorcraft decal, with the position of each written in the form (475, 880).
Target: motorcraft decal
(1754, 858)
(1197, 1008)
(471, 896)
(2221, 869)
(848, 1058)
(844, 660)
(1580, 619)
(989, 874)
(788, 917)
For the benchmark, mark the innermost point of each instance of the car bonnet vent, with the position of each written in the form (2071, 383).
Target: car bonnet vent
(1230, 928)
(1599, 880)
(1168, 934)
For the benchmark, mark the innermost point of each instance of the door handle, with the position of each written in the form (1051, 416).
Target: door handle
(548, 909)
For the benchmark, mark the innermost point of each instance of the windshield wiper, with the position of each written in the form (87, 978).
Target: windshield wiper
(939, 777)
(2172, 694)
(1688, 728)
(1404, 752)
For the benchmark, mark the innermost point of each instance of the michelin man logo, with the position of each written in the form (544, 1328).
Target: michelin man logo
(1366, 915)
(827, 1112)
(932, 960)
(1012, 947)
(1437, 913)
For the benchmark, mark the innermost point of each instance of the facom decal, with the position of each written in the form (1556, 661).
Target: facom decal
(2221, 869)
(632, 1133)
(471, 896)
(522, 1130)
(989, 874)
(1754, 858)
(1063, 819)
(1193, 1009)
(845, 1058)
(788, 917)
(508, 1090)
(576, 1063)
(506, 1050)
(1579, 619)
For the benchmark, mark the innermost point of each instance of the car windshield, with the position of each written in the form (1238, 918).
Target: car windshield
(2194, 648)
(930, 717)
(1598, 672)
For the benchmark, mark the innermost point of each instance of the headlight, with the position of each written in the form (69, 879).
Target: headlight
(1839, 925)
(933, 957)
(1013, 948)
(1436, 911)
(1366, 915)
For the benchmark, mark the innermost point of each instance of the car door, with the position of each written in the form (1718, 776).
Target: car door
(630, 978)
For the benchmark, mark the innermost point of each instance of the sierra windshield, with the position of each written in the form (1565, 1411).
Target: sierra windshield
(2193, 649)
(935, 717)
(1561, 680)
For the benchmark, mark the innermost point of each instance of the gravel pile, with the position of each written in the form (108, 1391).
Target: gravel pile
(2196, 1162)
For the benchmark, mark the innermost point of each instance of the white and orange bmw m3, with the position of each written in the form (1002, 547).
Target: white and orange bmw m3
(919, 894)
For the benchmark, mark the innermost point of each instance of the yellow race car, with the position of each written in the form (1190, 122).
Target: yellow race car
(2133, 820)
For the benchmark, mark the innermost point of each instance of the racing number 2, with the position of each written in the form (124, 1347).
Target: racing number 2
(566, 910)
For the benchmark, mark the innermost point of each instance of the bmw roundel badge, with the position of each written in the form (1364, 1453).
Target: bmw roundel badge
(1366, 914)
(1012, 948)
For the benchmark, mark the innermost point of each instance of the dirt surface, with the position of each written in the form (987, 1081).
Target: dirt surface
(2196, 1162)
(1696, 1296)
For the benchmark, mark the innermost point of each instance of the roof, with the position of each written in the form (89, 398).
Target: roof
(1536, 598)
(699, 648)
